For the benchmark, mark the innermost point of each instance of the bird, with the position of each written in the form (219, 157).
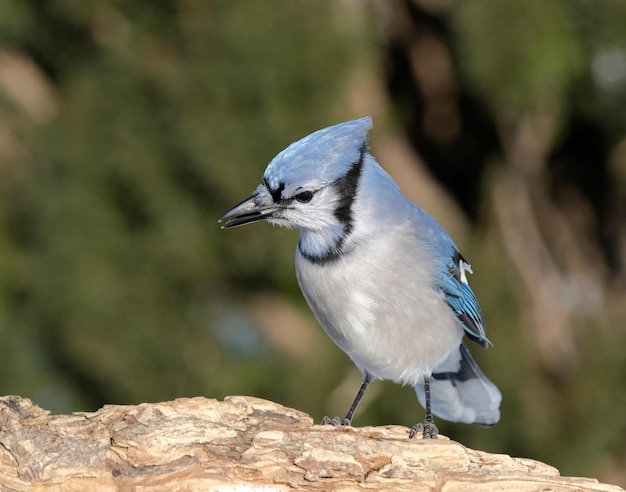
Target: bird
(383, 278)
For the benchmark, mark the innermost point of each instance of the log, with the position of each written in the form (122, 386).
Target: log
(242, 444)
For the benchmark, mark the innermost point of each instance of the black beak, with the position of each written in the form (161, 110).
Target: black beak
(246, 212)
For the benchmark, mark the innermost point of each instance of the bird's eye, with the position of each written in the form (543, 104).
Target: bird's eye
(304, 196)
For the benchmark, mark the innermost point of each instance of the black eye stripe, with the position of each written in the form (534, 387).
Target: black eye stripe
(277, 193)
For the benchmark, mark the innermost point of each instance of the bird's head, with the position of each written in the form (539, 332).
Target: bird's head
(311, 184)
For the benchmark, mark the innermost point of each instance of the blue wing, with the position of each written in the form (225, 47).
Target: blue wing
(453, 284)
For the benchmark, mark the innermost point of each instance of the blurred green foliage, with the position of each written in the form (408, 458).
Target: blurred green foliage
(134, 125)
(543, 52)
(522, 55)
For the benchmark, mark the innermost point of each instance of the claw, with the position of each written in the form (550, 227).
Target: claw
(415, 429)
(335, 421)
(428, 429)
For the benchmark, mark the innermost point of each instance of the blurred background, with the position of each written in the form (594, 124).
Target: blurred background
(128, 128)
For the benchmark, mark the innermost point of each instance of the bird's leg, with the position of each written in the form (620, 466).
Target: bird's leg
(367, 379)
(428, 428)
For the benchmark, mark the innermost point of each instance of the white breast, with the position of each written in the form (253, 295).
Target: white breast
(380, 307)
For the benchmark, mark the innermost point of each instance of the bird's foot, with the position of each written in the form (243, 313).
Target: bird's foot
(335, 421)
(428, 429)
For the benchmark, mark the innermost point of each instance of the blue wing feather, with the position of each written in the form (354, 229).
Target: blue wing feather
(451, 279)
(462, 300)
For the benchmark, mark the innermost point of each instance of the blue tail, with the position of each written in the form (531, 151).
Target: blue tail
(460, 392)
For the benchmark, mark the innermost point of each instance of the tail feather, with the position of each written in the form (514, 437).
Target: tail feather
(460, 392)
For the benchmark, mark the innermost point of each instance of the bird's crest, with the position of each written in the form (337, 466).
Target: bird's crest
(317, 159)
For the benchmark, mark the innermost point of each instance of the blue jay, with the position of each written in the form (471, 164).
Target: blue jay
(382, 277)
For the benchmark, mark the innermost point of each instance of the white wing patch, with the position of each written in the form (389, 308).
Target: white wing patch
(464, 267)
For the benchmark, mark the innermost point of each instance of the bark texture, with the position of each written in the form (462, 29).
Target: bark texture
(242, 444)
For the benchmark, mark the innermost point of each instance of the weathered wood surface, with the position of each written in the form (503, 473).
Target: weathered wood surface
(242, 444)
